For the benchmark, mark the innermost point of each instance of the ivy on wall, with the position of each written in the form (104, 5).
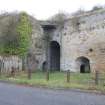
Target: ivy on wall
(16, 41)
(24, 30)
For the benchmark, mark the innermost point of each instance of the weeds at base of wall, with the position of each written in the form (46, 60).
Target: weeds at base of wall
(57, 80)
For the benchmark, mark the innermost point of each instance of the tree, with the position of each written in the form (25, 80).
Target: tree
(15, 37)
(80, 11)
(9, 37)
(97, 7)
(60, 17)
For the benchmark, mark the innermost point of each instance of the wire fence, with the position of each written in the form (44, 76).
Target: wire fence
(61, 78)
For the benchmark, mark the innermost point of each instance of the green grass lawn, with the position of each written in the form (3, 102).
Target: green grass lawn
(58, 80)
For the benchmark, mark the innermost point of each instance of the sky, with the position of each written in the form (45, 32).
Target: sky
(43, 9)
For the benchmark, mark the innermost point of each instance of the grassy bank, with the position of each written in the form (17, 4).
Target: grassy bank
(58, 80)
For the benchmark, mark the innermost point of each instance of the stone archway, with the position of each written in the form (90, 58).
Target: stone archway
(83, 64)
(54, 56)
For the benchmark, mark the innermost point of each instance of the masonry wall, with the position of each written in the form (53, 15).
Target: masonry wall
(84, 36)
(8, 63)
(37, 45)
(36, 48)
(80, 36)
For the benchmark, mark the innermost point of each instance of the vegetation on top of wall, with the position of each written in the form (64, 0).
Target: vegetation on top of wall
(60, 17)
(24, 30)
(15, 38)
(80, 11)
(8, 36)
(97, 7)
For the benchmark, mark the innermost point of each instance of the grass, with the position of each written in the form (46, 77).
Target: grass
(57, 80)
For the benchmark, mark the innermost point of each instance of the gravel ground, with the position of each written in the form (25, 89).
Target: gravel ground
(20, 95)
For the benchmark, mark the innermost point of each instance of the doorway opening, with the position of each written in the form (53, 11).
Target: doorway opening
(83, 64)
(54, 56)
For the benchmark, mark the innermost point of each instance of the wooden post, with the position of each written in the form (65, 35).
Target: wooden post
(1, 65)
(29, 74)
(47, 75)
(68, 76)
(29, 65)
(0, 72)
(96, 77)
(13, 72)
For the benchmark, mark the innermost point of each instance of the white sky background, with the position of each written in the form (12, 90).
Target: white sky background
(43, 9)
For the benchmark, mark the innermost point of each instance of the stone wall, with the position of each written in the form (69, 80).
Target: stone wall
(37, 44)
(80, 37)
(7, 63)
(84, 36)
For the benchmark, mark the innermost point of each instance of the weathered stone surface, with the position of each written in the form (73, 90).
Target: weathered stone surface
(81, 36)
(87, 41)
(7, 63)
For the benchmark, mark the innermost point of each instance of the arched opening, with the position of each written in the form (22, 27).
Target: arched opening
(44, 66)
(83, 64)
(54, 56)
(82, 68)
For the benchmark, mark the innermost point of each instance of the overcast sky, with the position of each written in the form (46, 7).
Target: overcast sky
(43, 9)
